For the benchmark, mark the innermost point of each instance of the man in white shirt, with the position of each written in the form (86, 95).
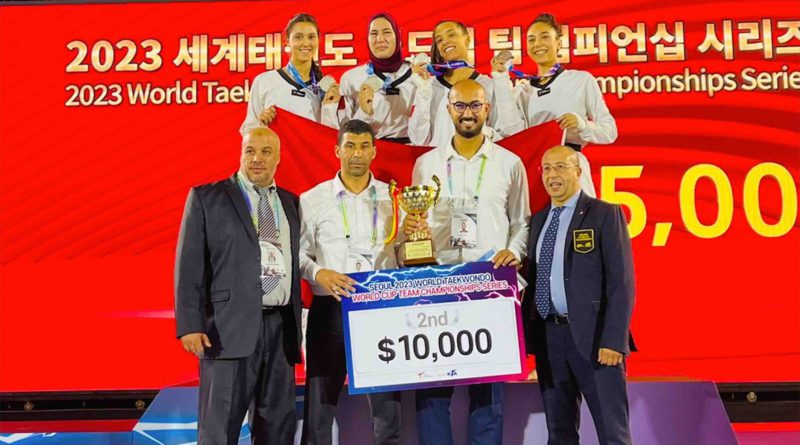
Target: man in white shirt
(344, 223)
(483, 207)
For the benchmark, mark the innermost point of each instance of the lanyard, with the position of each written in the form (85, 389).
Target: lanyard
(433, 68)
(477, 185)
(550, 73)
(254, 215)
(387, 80)
(343, 210)
(299, 79)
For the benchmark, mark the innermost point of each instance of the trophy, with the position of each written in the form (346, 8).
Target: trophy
(416, 200)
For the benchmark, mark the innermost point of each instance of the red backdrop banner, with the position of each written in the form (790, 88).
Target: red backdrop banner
(93, 176)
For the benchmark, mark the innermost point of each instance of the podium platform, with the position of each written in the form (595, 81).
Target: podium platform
(663, 412)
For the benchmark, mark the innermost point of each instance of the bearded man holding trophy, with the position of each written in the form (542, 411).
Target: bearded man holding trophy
(481, 211)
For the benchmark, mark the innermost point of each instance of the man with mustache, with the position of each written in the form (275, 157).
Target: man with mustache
(485, 190)
(237, 297)
(578, 312)
(344, 223)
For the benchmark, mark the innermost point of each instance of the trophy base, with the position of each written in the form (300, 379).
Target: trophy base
(419, 253)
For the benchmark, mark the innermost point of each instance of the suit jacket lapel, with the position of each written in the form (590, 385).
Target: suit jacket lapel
(581, 209)
(235, 193)
(537, 223)
(291, 216)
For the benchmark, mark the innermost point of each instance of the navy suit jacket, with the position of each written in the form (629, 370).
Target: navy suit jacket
(598, 279)
(217, 272)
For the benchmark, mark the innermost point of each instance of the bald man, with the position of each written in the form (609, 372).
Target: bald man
(237, 297)
(579, 305)
(483, 207)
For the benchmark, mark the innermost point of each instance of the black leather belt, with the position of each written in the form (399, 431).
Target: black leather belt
(557, 319)
(270, 309)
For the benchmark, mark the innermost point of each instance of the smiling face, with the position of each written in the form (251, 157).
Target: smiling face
(468, 107)
(560, 173)
(543, 44)
(303, 41)
(451, 41)
(261, 154)
(382, 39)
(356, 152)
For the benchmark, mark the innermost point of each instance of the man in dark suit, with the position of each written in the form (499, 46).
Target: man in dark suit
(579, 305)
(237, 297)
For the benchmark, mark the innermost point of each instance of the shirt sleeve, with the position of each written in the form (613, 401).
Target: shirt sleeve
(191, 271)
(308, 242)
(522, 96)
(255, 106)
(505, 117)
(419, 124)
(331, 116)
(619, 281)
(600, 128)
(519, 211)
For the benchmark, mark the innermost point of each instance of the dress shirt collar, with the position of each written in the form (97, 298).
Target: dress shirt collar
(249, 186)
(486, 150)
(338, 185)
(571, 202)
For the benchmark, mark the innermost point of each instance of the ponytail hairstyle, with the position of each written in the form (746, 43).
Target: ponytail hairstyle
(435, 56)
(548, 19)
(304, 18)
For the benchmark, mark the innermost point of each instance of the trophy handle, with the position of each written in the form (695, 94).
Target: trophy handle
(438, 188)
(393, 192)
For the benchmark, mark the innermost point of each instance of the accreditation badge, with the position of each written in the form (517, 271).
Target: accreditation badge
(464, 229)
(583, 240)
(357, 260)
(272, 262)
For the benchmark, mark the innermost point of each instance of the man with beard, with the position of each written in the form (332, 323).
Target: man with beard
(485, 191)
(344, 223)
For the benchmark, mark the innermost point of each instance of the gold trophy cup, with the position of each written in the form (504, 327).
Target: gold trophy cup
(416, 200)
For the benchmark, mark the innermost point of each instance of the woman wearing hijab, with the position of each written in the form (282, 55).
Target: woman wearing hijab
(297, 87)
(430, 124)
(380, 91)
(571, 97)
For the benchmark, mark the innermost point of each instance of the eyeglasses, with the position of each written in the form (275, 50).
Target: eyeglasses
(558, 168)
(461, 107)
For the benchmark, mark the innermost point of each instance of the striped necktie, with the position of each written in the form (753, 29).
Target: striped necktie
(267, 231)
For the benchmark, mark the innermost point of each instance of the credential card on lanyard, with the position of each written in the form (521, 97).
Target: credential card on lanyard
(272, 262)
(358, 260)
(464, 229)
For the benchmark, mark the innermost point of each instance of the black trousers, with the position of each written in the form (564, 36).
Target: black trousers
(262, 382)
(565, 375)
(326, 370)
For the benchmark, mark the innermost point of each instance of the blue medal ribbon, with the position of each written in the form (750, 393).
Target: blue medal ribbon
(387, 80)
(314, 87)
(535, 77)
(433, 68)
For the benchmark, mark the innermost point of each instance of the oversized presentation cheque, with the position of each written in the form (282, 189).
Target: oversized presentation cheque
(433, 326)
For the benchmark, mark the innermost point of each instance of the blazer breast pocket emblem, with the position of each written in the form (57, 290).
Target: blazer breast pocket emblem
(583, 240)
